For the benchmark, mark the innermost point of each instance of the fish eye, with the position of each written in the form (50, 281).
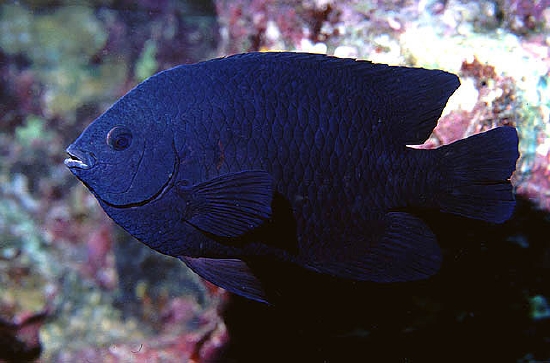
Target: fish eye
(119, 138)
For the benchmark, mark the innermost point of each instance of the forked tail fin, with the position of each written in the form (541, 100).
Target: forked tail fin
(477, 174)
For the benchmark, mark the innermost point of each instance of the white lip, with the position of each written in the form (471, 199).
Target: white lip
(79, 159)
(75, 163)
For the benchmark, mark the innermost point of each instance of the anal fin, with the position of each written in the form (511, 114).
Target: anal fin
(405, 251)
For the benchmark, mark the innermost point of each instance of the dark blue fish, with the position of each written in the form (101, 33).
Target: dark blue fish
(297, 157)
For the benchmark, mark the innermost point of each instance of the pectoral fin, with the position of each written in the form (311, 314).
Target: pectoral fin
(231, 204)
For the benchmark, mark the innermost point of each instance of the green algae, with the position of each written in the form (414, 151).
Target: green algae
(26, 265)
(18, 224)
(60, 46)
(85, 317)
(147, 64)
(69, 34)
(32, 129)
(32, 279)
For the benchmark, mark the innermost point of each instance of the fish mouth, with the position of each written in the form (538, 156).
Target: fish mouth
(79, 159)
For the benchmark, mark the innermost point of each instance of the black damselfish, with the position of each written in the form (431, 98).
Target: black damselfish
(302, 158)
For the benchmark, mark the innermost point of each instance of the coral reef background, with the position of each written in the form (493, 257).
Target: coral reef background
(74, 287)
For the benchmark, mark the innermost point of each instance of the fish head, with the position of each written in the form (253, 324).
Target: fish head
(126, 157)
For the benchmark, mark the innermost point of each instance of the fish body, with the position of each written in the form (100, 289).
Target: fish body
(294, 156)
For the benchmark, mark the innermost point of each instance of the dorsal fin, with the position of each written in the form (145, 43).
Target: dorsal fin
(414, 99)
(406, 101)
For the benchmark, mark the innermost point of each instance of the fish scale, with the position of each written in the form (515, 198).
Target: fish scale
(299, 157)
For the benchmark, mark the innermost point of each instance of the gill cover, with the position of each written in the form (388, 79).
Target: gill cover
(131, 149)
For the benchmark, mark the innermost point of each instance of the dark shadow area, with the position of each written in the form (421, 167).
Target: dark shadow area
(477, 308)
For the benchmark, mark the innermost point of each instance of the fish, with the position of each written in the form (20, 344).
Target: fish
(301, 158)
